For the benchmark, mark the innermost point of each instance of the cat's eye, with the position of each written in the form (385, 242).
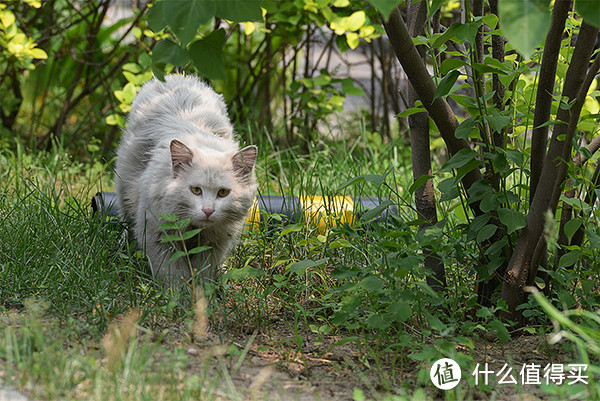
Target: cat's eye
(223, 192)
(196, 190)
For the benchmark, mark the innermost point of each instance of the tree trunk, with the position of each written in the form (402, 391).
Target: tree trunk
(421, 158)
(552, 175)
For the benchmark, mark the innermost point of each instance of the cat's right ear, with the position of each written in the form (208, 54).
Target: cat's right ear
(181, 156)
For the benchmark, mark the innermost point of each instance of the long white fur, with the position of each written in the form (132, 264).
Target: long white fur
(187, 110)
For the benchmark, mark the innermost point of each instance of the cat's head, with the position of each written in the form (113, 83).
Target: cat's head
(212, 187)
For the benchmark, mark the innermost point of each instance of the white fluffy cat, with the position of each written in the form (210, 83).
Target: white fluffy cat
(178, 156)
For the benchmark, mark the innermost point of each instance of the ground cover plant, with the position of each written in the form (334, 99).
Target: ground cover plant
(351, 306)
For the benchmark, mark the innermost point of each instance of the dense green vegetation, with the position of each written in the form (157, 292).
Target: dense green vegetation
(494, 209)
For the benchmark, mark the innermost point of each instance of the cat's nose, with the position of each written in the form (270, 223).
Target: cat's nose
(208, 212)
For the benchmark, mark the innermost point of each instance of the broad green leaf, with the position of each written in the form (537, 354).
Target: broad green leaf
(446, 84)
(512, 219)
(156, 17)
(301, 266)
(115, 119)
(496, 247)
(168, 217)
(516, 156)
(401, 311)
(467, 32)
(435, 5)
(371, 284)
(589, 10)
(411, 111)
(461, 158)
(175, 256)
(199, 249)
(498, 327)
(207, 55)
(186, 17)
(239, 10)
(168, 52)
(419, 182)
(464, 129)
(244, 272)
(377, 322)
(168, 238)
(451, 64)
(569, 259)
(385, 7)
(486, 232)
(349, 89)
(376, 211)
(524, 23)
(191, 233)
(352, 23)
(572, 226)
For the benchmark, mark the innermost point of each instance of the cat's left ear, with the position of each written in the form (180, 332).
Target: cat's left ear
(181, 156)
(244, 160)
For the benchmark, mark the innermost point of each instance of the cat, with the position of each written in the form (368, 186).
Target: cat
(178, 155)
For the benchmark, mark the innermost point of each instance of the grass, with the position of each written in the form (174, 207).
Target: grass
(83, 320)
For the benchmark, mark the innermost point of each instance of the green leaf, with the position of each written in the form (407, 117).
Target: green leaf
(199, 249)
(467, 32)
(401, 311)
(385, 7)
(569, 259)
(239, 10)
(419, 182)
(168, 238)
(371, 284)
(156, 17)
(572, 226)
(464, 129)
(349, 89)
(515, 155)
(435, 5)
(512, 219)
(461, 158)
(376, 211)
(486, 232)
(451, 64)
(446, 84)
(589, 10)
(496, 120)
(244, 272)
(187, 16)
(207, 55)
(115, 119)
(191, 233)
(411, 111)
(524, 23)
(175, 256)
(301, 266)
(498, 327)
(168, 52)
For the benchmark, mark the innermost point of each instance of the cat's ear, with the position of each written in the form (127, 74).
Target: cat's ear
(181, 156)
(243, 161)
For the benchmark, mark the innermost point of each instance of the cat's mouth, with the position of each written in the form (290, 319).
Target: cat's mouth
(200, 223)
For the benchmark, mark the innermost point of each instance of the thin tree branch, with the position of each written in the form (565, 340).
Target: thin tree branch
(545, 90)
(421, 81)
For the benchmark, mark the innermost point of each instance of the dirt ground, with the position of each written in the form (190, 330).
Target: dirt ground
(273, 369)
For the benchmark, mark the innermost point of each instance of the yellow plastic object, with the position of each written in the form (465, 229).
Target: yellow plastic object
(328, 211)
(321, 212)
(253, 218)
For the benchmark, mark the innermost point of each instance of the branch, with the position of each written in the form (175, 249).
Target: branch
(421, 81)
(553, 172)
(545, 89)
